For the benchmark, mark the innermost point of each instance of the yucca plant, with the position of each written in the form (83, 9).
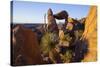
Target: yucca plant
(48, 42)
(67, 56)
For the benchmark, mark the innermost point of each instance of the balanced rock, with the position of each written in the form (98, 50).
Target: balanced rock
(62, 15)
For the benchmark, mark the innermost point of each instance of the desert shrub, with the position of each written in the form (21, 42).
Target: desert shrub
(48, 42)
(67, 56)
(67, 37)
(66, 53)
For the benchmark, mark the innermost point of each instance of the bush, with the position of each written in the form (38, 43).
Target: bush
(48, 42)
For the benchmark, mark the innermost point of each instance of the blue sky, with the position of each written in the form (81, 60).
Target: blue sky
(33, 12)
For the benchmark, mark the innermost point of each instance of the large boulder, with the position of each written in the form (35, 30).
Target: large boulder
(62, 15)
(90, 34)
(25, 47)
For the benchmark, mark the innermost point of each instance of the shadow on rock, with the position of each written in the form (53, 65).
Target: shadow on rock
(80, 49)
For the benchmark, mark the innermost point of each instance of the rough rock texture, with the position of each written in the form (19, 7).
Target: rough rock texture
(25, 47)
(90, 34)
(52, 26)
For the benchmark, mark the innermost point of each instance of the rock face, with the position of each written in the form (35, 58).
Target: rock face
(25, 47)
(90, 34)
(52, 26)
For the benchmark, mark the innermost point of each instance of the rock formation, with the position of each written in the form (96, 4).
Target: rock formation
(25, 48)
(62, 15)
(90, 34)
(52, 26)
